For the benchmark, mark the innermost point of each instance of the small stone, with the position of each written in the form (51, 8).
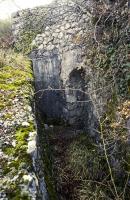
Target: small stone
(39, 42)
(70, 31)
(45, 42)
(75, 24)
(38, 35)
(29, 108)
(51, 126)
(47, 33)
(43, 35)
(41, 47)
(15, 178)
(66, 48)
(81, 32)
(14, 143)
(32, 135)
(67, 26)
(25, 124)
(62, 28)
(1, 153)
(31, 146)
(66, 18)
(47, 28)
(84, 16)
(50, 47)
(27, 178)
(33, 43)
(31, 118)
(57, 31)
(46, 126)
(1, 123)
(60, 35)
(55, 35)
(56, 41)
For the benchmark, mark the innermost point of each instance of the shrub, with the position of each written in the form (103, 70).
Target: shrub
(5, 33)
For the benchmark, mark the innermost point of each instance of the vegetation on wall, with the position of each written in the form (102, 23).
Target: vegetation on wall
(108, 56)
(32, 25)
(24, 42)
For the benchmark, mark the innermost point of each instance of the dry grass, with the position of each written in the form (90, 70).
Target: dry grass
(82, 156)
(10, 58)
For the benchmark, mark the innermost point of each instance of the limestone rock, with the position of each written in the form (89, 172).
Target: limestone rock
(57, 31)
(67, 26)
(27, 178)
(60, 35)
(25, 124)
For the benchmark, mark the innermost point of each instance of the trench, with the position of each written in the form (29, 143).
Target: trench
(56, 181)
(61, 120)
(53, 143)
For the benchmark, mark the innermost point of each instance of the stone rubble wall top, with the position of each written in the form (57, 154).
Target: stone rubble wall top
(61, 25)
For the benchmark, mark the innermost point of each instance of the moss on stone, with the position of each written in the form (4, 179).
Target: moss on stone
(16, 76)
(22, 132)
(9, 150)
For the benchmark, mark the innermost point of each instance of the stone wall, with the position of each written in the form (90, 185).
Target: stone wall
(64, 83)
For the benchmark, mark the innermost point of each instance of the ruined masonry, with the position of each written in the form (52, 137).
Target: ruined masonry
(63, 82)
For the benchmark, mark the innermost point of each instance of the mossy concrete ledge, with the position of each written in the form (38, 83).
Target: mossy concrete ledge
(17, 128)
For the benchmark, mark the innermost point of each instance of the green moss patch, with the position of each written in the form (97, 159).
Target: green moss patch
(20, 150)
